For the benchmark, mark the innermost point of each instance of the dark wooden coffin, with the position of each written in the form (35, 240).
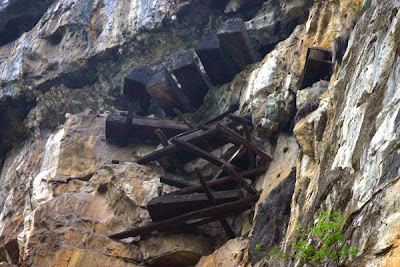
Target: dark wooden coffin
(189, 76)
(166, 94)
(142, 129)
(235, 43)
(168, 206)
(215, 64)
(318, 66)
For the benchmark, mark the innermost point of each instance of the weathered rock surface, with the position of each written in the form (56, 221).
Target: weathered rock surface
(61, 196)
(233, 253)
(360, 141)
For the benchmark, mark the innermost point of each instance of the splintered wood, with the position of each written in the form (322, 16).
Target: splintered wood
(211, 201)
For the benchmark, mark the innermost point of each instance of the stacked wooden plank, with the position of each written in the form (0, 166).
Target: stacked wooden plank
(195, 205)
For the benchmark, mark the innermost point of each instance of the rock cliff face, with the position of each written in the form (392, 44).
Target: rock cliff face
(61, 196)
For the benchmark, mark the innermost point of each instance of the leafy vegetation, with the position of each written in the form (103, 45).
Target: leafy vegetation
(325, 243)
(319, 245)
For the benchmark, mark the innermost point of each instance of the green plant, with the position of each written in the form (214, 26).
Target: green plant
(257, 247)
(276, 255)
(324, 242)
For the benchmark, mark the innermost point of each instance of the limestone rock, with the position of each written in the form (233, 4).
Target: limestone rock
(311, 94)
(231, 254)
(175, 250)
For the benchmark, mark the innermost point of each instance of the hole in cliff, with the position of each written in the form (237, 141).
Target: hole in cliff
(12, 115)
(286, 149)
(57, 36)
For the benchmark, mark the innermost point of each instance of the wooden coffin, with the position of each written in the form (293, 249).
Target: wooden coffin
(189, 76)
(214, 62)
(166, 94)
(318, 66)
(168, 206)
(142, 129)
(235, 43)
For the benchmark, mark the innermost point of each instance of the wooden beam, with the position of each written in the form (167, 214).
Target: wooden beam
(226, 166)
(211, 198)
(243, 141)
(208, 212)
(194, 136)
(221, 182)
(237, 152)
(167, 206)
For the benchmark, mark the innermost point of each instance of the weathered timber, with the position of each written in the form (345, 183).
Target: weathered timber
(173, 159)
(142, 129)
(235, 43)
(212, 57)
(194, 136)
(243, 141)
(318, 66)
(226, 166)
(246, 129)
(167, 206)
(135, 88)
(236, 206)
(212, 199)
(237, 152)
(189, 76)
(164, 91)
(222, 183)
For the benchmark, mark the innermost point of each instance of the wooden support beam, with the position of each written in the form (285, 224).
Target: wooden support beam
(243, 141)
(237, 152)
(226, 166)
(175, 183)
(208, 212)
(235, 43)
(167, 206)
(195, 136)
(173, 159)
(246, 129)
(214, 62)
(164, 91)
(189, 76)
(211, 198)
(220, 183)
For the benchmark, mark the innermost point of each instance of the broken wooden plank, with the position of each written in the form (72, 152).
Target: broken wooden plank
(226, 166)
(223, 182)
(174, 182)
(189, 76)
(235, 43)
(237, 152)
(318, 66)
(214, 62)
(141, 128)
(212, 199)
(194, 137)
(167, 206)
(164, 91)
(243, 141)
(207, 212)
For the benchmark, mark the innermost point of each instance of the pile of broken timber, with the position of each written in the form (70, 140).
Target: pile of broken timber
(227, 194)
